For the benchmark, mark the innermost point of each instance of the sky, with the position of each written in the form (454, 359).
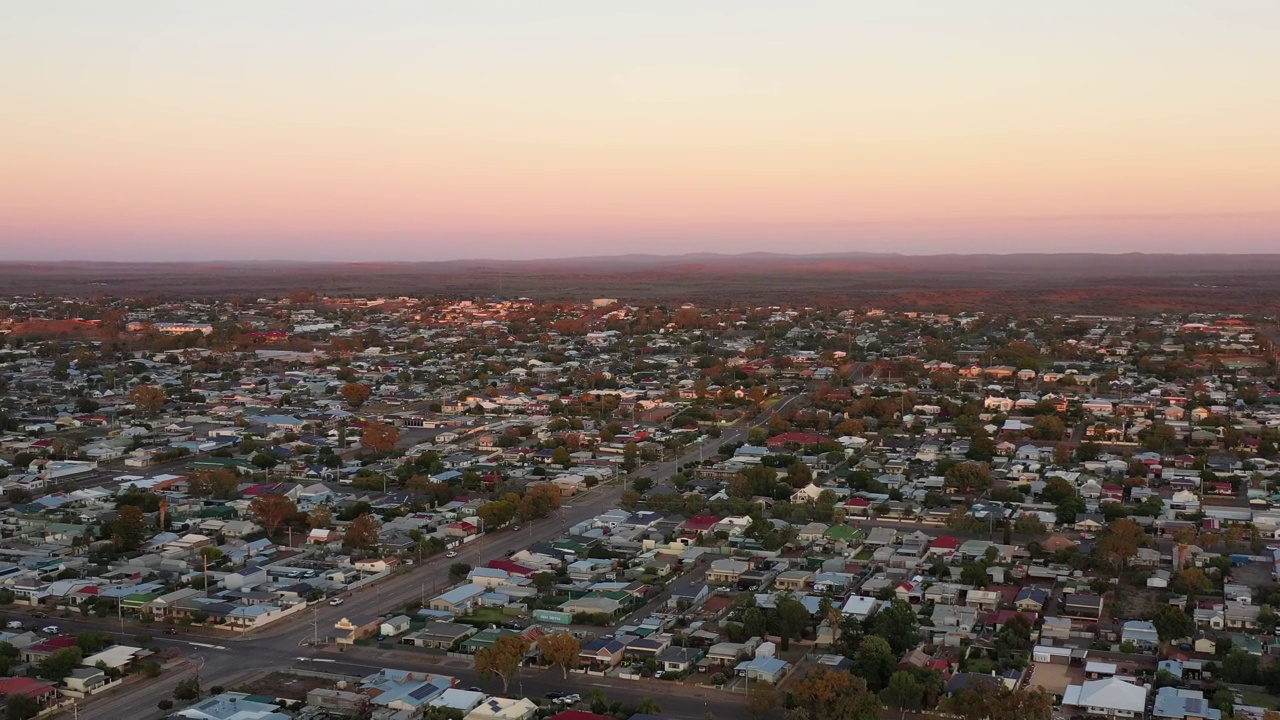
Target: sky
(425, 130)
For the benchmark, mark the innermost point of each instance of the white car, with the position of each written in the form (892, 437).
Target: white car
(336, 601)
(49, 630)
(451, 554)
(14, 624)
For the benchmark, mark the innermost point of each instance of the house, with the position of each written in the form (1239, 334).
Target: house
(458, 600)
(1082, 605)
(764, 669)
(38, 690)
(232, 706)
(1183, 704)
(793, 580)
(439, 635)
(601, 654)
(1055, 630)
(1142, 633)
(860, 607)
(497, 708)
(1031, 599)
(394, 625)
(726, 571)
(592, 605)
(116, 657)
(1110, 697)
(679, 659)
(83, 681)
(987, 600)
(356, 628)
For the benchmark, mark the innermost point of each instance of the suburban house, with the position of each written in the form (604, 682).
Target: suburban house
(1110, 697)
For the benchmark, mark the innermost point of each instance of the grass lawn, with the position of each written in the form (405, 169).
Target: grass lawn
(483, 616)
(1261, 700)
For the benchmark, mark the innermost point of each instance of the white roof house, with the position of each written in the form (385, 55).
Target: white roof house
(1110, 697)
(860, 607)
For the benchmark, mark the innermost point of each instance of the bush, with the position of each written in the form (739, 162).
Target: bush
(151, 669)
(187, 690)
(165, 705)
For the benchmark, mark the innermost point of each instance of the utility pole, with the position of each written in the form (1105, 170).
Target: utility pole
(315, 626)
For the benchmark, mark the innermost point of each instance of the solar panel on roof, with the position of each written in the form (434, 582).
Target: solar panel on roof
(422, 691)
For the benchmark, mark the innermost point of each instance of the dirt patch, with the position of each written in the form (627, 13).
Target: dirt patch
(1054, 678)
(282, 685)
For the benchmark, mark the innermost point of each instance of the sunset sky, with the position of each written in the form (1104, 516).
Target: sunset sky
(384, 130)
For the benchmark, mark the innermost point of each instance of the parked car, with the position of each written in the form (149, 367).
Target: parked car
(336, 601)
(451, 554)
(14, 625)
(171, 631)
(49, 630)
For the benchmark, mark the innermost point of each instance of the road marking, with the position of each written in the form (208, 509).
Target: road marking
(303, 659)
(206, 645)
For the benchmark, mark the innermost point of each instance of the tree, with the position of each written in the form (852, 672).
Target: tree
(354, 394)
(458, 571)
(165, 705)
(496, 514)
(648, 706)
(969, 477)
(1029, 525)
(874, 662)
(503, 658)
(361, 533)
(1119, 544)
(1068, 508)
(543, 582)
(269, 511)
(827, 694)
(629, 499)
(899, 625)
(798, 474)
(1056, 489)
(147, 399)
(60, 663)
(1191, 581)
(560, 649)
(319, 517)
(130, 528)
(539, 501)
(792, 619)
(997, 702)
(380, 437)
(560, 456)
(1241, 667)
(630, 457)
(21, 707)
(18, 495)
(975, 574)
(904, 692)
(1049, 427)
(187, 690)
